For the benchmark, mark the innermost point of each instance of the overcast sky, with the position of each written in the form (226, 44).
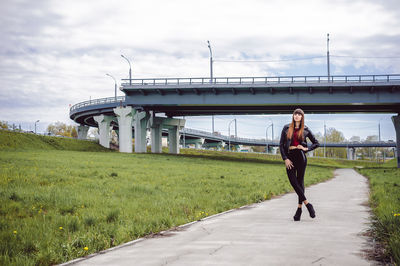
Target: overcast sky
(56, 53)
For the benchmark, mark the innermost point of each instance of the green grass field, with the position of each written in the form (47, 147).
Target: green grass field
(385, 203)
(63, 199)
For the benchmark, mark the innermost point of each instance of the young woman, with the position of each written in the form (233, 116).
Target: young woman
(293, 146)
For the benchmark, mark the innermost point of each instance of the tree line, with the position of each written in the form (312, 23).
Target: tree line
(335, 136)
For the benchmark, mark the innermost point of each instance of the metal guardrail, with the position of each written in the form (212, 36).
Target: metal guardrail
(264, 141)
(262, 80)
(219, 136)
(97, 101)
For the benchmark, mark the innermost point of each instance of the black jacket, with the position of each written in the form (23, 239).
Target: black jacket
(285, 143)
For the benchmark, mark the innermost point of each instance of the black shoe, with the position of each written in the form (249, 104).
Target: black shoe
(296, 217)
(311, 210)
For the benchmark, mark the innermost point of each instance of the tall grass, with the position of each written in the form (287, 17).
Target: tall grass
(385, 202)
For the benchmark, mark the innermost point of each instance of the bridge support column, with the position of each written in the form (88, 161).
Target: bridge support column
(396, 123)
(174, 125)
(124, 116)
(216, 145)
(198, 142)
(82, 131)
(103, 122)
(156, 133)
(173, 140)
(197, 145)
(141, 119)
(351, 153)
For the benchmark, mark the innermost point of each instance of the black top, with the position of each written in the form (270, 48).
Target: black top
(285, 143)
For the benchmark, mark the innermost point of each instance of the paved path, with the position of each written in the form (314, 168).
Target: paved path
(265, 233)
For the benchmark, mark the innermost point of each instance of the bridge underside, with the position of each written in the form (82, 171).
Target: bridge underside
(194, 110)
(214, 99)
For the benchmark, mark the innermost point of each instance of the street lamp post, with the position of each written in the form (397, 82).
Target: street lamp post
(229, 134)
(211, 62)
(379, 129)
(130, 69)
(327, 57)
(115, 85)
(35, 125)
(266, 135)
(272, 124)
(324, 140)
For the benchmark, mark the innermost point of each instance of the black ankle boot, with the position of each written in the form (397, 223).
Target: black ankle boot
(296, 217)
(310, 210)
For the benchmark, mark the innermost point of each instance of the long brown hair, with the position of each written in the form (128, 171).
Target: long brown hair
(291, 127)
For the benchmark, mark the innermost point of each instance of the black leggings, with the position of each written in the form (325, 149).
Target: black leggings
(296, 173)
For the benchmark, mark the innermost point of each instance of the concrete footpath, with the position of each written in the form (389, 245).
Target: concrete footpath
(264, 233)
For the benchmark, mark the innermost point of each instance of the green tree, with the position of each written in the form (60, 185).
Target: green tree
(373, 153)
(333, 136)
(62, 129)
(4, 125)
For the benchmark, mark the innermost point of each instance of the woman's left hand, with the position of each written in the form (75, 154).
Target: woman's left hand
(302, 148)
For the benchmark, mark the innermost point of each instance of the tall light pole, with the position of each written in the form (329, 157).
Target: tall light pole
(266, 134)
(211, 62)
(115, 85)
(272, 124)
(213, 124)
(229, 134)
(379, 129)
(35, 125)
(211, 77)
(325, 140)
(130, 69)
(266, 138)
(184, 139)
(327, 57)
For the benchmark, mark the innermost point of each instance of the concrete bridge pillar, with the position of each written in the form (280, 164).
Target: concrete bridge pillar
(221, 145)
(198, 142)
(396, 123)
(141, 119)
(103, 122)
(173, 125)
(197, 145)
(173, 140)
(125, 117)
(155, 124)
(351, 153)
(82, 131)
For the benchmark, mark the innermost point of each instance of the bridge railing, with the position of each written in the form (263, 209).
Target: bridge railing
(97, 102)
(262, 80)
(223, 137)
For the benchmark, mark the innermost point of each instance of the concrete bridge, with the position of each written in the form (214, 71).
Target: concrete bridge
(230, 95)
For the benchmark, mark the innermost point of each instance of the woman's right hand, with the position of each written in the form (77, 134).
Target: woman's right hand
(289, 164)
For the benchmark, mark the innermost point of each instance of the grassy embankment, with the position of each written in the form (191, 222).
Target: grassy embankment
(60, 203)
(385, 203)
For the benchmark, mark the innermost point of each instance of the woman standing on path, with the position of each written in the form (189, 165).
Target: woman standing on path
(293, 146)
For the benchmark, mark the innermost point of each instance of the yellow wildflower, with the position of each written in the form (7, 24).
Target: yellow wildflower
(15, 232)
(61, 228)
(86, 248)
